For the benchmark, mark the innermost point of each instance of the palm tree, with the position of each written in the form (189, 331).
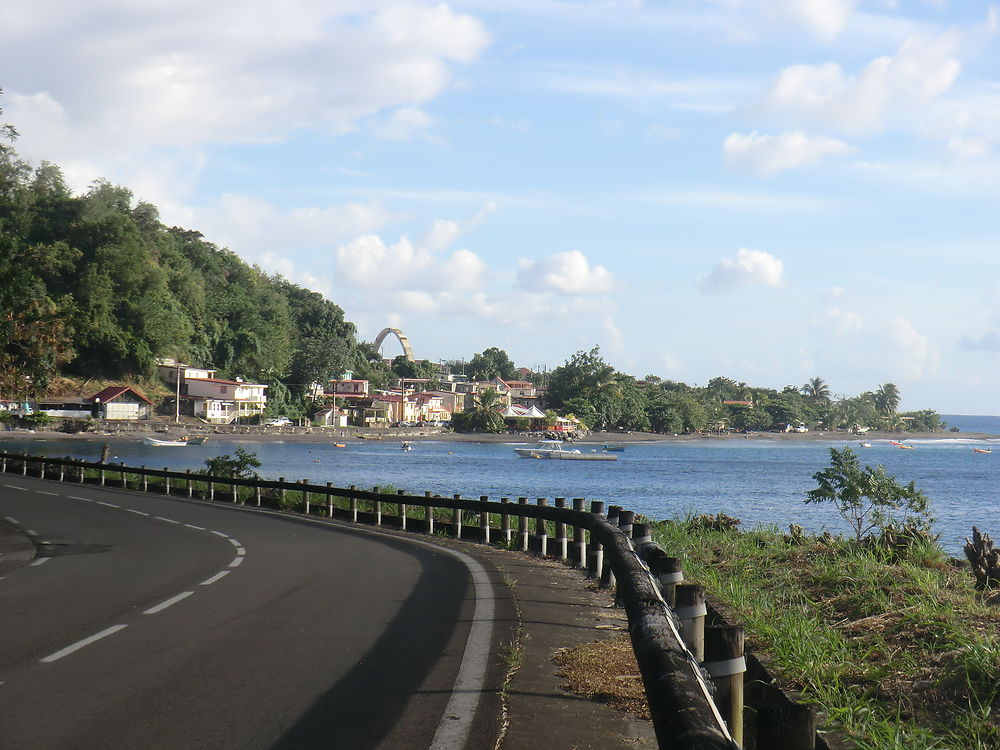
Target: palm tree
(886, 399)
(816, 389)
(484, 415)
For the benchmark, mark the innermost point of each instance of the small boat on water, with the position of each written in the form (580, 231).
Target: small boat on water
(163, 443)
(865, 444)
(615, 448)
(200, 440)
(904, 446)
(982, 450)
(339, 445)
(405, 446)
(555, 449)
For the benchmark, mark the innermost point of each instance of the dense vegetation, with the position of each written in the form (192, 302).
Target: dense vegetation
(890, 641)
(603, 398)
(97, 286)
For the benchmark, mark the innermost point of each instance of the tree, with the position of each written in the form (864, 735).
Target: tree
(817, 390)
(240, 466)
(867, 498)
(886, 399)
(483, 416)
(491, 363)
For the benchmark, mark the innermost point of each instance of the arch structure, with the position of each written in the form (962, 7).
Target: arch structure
(404, 342)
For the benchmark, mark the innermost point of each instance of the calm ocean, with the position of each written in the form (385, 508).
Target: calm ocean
(757, 480)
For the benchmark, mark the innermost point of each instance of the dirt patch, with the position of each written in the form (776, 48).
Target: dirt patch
(605, 671)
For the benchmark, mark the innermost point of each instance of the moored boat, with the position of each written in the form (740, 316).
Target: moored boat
(982, 450)
(163, 443)
(615, 448)
(554, 449)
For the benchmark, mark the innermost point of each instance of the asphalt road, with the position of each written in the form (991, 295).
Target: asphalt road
(157, 623)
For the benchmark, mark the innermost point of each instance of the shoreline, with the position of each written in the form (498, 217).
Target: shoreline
(334, 435)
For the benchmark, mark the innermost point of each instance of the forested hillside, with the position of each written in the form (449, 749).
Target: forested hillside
(96, 286)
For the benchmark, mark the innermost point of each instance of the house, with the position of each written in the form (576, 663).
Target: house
(121, 402)
(170, 370)
(225, 401)
(330, 417)
(451, 403)
(348, 389)
(67, 408)
(371, 412)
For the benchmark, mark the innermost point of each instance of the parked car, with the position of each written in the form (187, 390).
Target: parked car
(278, 422)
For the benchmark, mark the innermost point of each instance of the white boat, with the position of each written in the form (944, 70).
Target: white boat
(154, 441)
(555, 449)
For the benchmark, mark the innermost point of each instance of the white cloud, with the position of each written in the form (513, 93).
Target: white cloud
(186, 73)
(890, 347)
(567, 273)
(253, 227)
(367, 263)
(750, 267)
(443, 232)
(770, 154)
(405, 124)
(882, 94)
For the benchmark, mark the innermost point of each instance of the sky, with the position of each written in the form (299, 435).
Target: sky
(768, 190)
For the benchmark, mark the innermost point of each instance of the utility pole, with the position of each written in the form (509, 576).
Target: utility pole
(177, 400)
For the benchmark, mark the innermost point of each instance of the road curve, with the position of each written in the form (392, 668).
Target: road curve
(158, 623)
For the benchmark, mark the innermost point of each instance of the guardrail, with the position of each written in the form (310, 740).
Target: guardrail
(674, 649)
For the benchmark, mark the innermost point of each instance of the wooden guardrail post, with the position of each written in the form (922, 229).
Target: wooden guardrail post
(236, 491)
(305, 494)
(41, 470)
(329, 500)
(505, 521)
(522, 526)
(166, 481)
(640, 534)
(428, 516)
(257, 492)
(791, 727)
(354, 506)
(579, 537)
(725, 664)
(211, 489)
(62, 471)
(456, 520)
(542, 530)
(377, 505)
(562, 544)
(484, 519)
(596, 557)
(3, 463)
(626, 520)
(691, 612)
(124, 476)
(402, 511)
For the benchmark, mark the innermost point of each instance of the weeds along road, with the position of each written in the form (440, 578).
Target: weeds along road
(157, 623)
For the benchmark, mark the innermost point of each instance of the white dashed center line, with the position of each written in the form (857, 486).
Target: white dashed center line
(80, 644)
(216, 577)
(39, 561)
(236, 563)
(108, 505)
(43, 492)
(168, 603)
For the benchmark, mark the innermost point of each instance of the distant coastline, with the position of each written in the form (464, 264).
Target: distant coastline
(330, 435)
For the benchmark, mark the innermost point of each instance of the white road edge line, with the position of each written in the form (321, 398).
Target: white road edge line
(77, 497)
(14, 487)
(223, 534)
(14, 521)
(168, 603)
(197, 528)
(80, 644)
(137, 512)
(168, 520)
(216, 577)
(39, 561)
(43, 492)
(236, 562)
(456, 722)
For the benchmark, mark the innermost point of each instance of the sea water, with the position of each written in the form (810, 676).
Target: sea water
(760, 481)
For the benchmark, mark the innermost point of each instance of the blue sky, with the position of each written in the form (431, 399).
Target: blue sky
(768, 190)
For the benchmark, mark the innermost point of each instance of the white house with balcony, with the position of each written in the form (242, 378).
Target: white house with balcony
(225, 401)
